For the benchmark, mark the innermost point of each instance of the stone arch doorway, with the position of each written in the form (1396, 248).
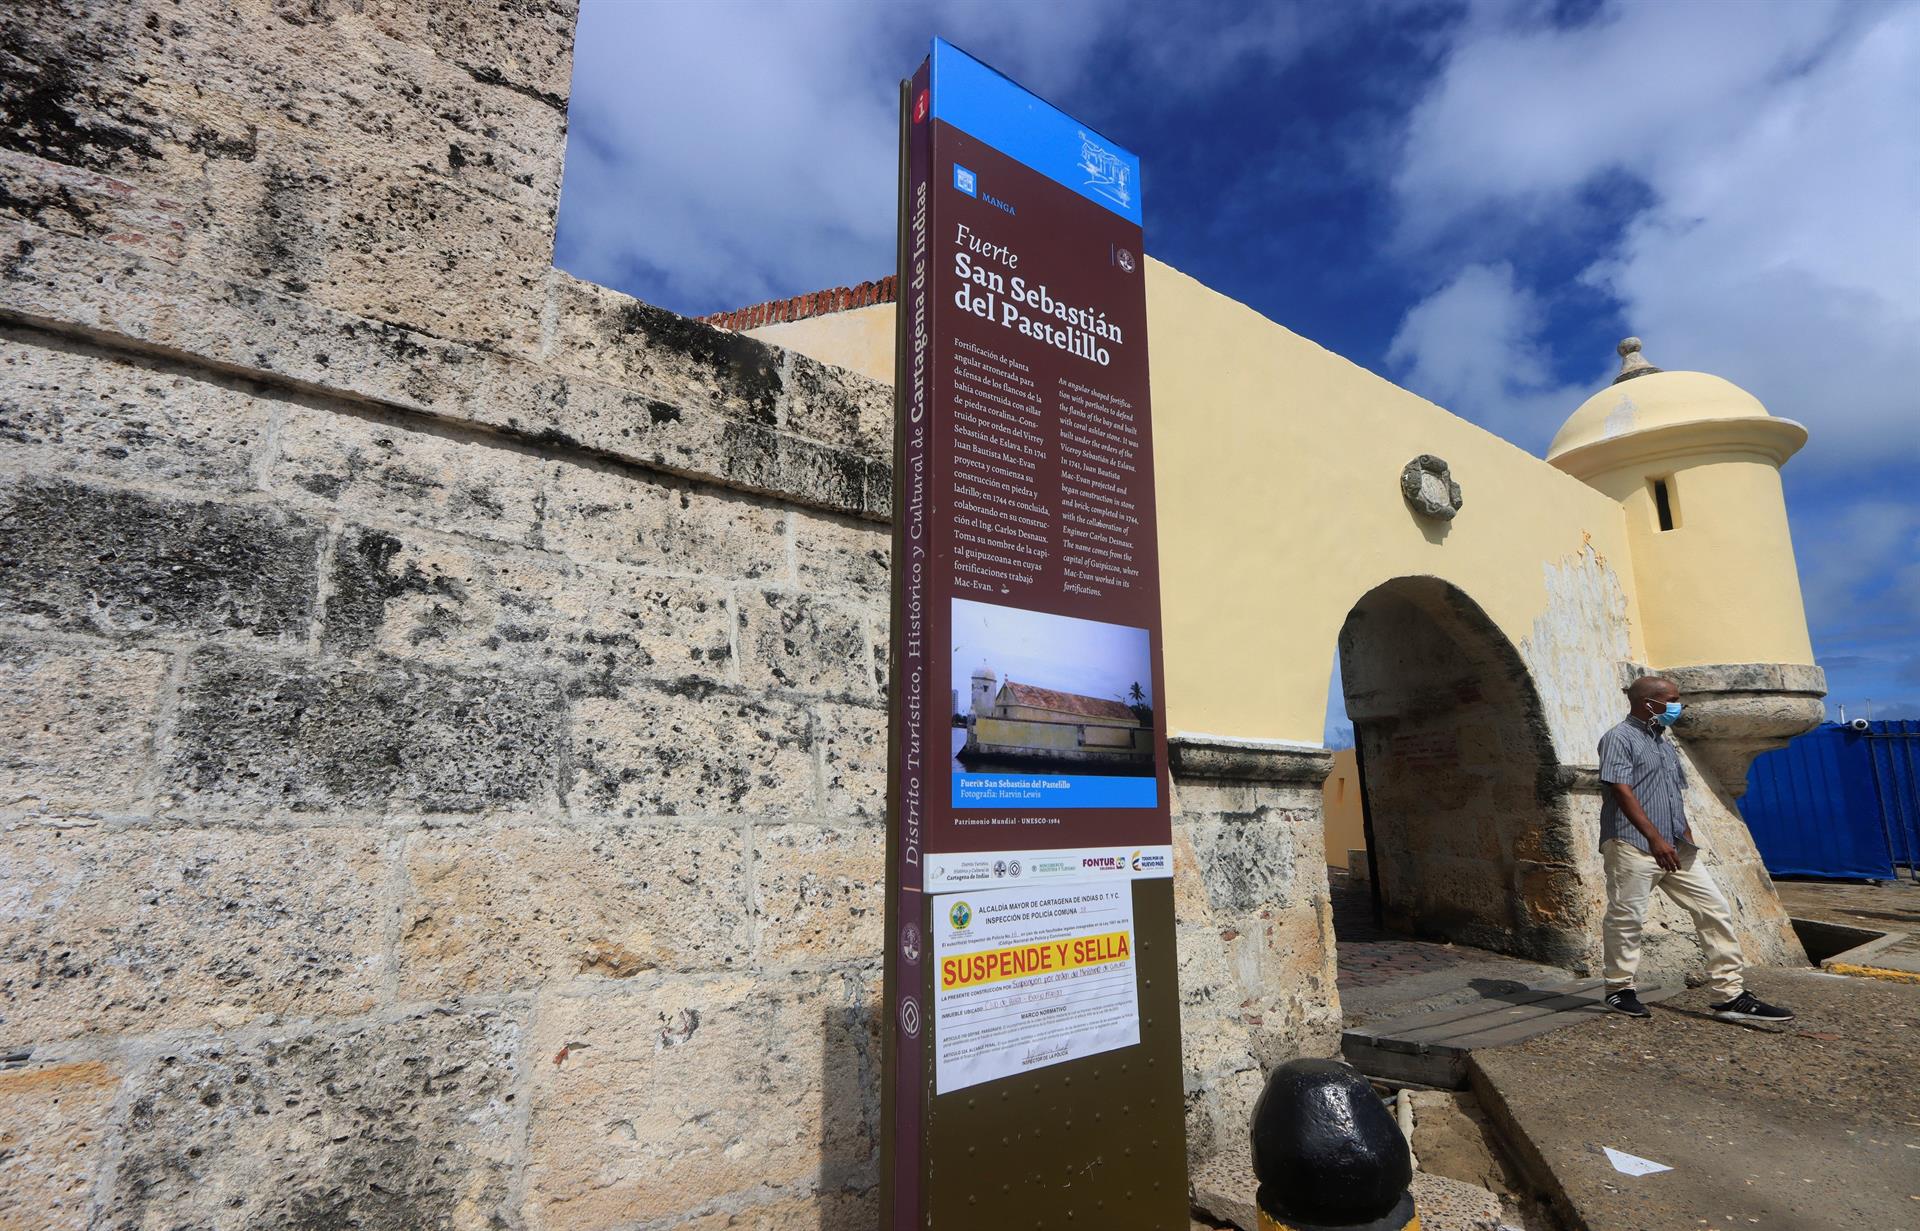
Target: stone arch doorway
(1469, 837)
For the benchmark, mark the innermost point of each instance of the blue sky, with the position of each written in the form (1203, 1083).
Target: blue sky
(1476, 200)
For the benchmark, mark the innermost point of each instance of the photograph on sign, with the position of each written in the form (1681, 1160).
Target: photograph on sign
(1060, 711)
(1029, 978)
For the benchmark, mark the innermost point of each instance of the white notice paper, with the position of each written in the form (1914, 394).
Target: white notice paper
(1628, 1164)
(1029, 977)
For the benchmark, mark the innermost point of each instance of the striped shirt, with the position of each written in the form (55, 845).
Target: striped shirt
(1643, 758)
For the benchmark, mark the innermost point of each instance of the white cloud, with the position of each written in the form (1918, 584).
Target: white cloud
(728, 152)
(1870, 570)
(1778, 150)
(689, 169)
(1474, 346)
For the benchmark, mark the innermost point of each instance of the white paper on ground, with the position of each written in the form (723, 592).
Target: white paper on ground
(1629, 1164)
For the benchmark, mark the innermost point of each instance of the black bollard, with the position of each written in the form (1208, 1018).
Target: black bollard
(1328, 1154)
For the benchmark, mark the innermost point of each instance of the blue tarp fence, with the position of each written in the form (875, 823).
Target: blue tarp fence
(1839, 801)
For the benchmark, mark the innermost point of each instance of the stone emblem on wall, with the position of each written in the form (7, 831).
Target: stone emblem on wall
(1429, 487)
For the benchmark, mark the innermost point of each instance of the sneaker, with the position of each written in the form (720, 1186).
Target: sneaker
(1625, 1001)
(1746, 1007)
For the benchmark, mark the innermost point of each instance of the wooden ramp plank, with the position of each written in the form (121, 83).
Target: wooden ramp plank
(1455, 1013)
(1432, 1047)
(1575, 998)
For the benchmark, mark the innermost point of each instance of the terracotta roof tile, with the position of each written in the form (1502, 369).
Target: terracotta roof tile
(800, 307)
(1068, 702)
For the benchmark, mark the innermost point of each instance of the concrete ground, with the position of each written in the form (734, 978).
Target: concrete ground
(1890, 906)
(1810, 1127)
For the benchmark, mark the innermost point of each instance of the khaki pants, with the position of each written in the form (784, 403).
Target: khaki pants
(1631, 877)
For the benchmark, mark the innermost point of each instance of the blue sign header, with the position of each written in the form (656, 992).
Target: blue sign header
(990, 108)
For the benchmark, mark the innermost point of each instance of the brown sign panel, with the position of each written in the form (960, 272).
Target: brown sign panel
(1032, 1058)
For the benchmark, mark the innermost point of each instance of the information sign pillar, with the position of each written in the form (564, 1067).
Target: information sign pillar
(1032, 1066)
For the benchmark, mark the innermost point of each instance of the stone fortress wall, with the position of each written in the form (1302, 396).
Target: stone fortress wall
(444, 738)
(442, 762)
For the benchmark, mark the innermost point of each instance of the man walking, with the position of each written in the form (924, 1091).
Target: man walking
(1646, 842)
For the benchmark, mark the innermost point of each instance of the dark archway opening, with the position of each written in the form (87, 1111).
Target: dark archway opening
(1469, 841)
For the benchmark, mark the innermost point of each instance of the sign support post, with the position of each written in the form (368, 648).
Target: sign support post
(1032, 1066)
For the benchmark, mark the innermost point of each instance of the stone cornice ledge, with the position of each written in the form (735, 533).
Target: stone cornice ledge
(1248, 760)
(686, 420)
(1801, 678)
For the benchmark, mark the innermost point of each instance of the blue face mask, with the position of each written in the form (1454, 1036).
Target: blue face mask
(1671, 714)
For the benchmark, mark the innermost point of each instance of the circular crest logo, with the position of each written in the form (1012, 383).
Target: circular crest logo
(999, 867)
(1126, 260)
(910, 1017)
(910, 943)
(1013, 867)
(961, 915)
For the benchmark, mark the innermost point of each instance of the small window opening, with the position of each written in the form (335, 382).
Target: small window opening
(1663, 504)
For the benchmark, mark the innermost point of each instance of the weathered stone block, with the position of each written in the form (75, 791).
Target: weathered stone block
(1190, 899)
(489, 912)
(54, 55)
(51, 1124)
(1285, 967)
(1251, 865)
(381, 243)
(76, 201)
(692, 1090)
(385, 1126)
(129, 931)
(689, 748)
(877, 495)
(1214, 1033)
(386, 468)
(763, 459)
(254, 731)
(838, 407)
(67, 408)
(843, 557)
(333, 163)
(804, 643)
(86, 558)
(685, 366)
(74, 724)
(853, 751)
(600, 627)
(819, 893)
(155, 93)
(829, 1211)
(525, 45)
(662, 523)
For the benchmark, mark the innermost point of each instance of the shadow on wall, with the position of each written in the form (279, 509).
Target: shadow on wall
(849, 1183)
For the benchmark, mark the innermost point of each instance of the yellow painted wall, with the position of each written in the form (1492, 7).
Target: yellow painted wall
(1340, 808)
(1279, 497)
(1012, 732)
(860, 339)
(1034, 713)
(1722, 585)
